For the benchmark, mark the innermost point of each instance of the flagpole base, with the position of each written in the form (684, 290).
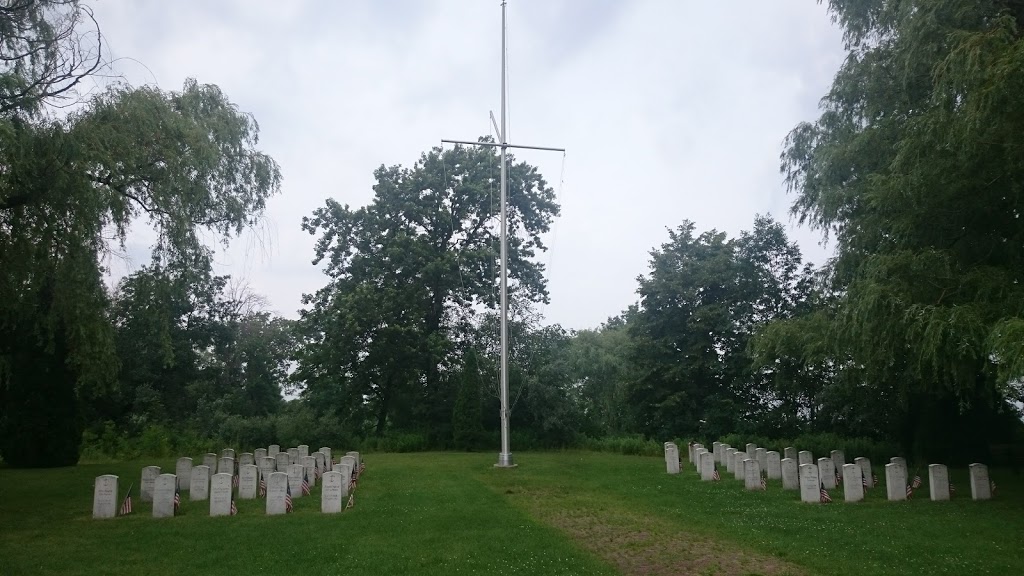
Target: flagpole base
(505, 461)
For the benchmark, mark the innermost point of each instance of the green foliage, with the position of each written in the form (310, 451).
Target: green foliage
(821, 445)
(467, 415)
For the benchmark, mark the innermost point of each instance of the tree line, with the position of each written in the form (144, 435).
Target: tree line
(911, 334)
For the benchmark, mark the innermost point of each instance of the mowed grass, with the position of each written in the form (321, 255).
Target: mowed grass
(557, 513)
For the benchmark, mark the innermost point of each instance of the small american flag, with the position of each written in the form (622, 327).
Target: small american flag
(952, 489)
(126, 506)
(764, 482)
(287, 499)
(234, 481)
(305, 485)
(351, 501)
(715, 476)
(234, 508)
(992, 486)
(910, 491)
(839, 478)
(863, 480)
(177, 499)
(825, 498)
(262, 491)
(917, 482)
(316, 470)
(874, 479)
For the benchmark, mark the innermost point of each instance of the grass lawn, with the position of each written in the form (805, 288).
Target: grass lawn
(558, 513)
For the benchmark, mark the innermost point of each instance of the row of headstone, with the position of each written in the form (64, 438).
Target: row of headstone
(798, 471)
(205, 482)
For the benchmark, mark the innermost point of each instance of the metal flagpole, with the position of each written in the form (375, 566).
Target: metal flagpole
(505, 456)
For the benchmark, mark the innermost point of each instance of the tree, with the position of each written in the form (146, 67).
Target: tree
(408, 273)
(467, 415)
(72, 186)
(915, 166)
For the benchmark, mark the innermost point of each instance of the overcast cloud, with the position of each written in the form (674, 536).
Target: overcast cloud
(668, 109)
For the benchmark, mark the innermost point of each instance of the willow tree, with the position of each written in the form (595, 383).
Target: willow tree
(916, 168)
(71, 187)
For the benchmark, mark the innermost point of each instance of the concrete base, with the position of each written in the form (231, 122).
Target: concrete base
(505, 461)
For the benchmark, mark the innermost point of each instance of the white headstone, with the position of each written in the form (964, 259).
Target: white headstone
(220, 494)
(331, 494)
(716, 451)
(690, 448)
(351, 462)
(327, 454)
(283, 461)
(740, 467)
(183, 470)
(804, 457)
(149, 476)
(246, 458)
(672, 459)
(730, 458)
(696, 458)
(790, 476)
(293, 455)
(761, 455)
(838, 460)
(938, 482)
(226, 466)
(810, 487)
(273, 449)
(345, 469)
(865, 471)
(789, 452)
(267, 466)
(104, 497)
(248, 479)
(899, 460)
(896, 481)
(707, 466)
(900, 463)
(277, 489)
(163, 496)
(199, 484)
(303, 450)
(321, 461)
(751, 450)
(309, 463)
(827, 473)
(774, 468)
(752, 474)
(981, 489)
(228, 453)
(853, 490)
(359, 459)
(257, 454)
(295, 472)
(210, 460)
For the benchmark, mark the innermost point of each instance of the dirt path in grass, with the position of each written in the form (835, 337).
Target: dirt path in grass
(640, 544)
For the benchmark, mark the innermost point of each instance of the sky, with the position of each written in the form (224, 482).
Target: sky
(668, 110)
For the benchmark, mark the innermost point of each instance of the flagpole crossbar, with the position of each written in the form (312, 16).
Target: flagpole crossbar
(500, 145)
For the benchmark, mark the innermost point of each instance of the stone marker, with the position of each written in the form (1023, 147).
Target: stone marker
(751, 450)
(740, 467)
(309, 463)
(210, 460)
(696, 458)
(226, 466)
(730, 458)
(804, 457)
(810, 487)
(220, 494)
(899, 460)
(267, 466)
(246, 458)
(938, 482)
(283, 461)
(321, 461)
(359, 459)
(295, 472)
(789, 452)
(689, 454)
(707, 466)
(716, 451)
(104, 496)
(346, 472)
(790, 475)
(331, 495)
(752, 474)
(303, 450)
(183, 470)
(774, 467)
(350, 461)
(865, 471)
(248, 480)
(257, 454)
(838, 461)
(981, 489)
(853, 490)
(293, 455)
(327, 454)
(199, 484)
(672, 459)
(163, 496)
(895, 481)
(827, 473)
(902, 465)
(273, 449)
(228, 453)
(149, 476)
(277, 488)
(761, 455)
